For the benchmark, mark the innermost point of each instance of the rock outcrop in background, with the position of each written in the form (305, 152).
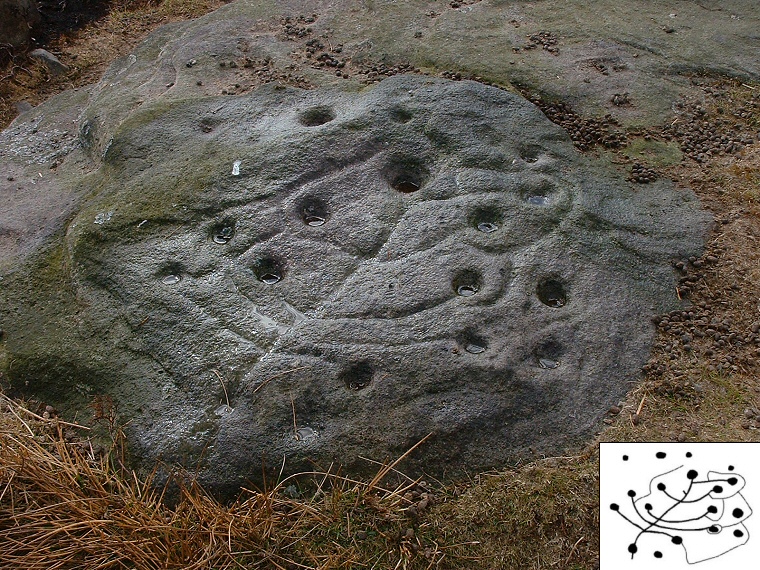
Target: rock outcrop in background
(324, 274)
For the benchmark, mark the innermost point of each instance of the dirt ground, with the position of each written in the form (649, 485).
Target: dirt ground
(702, 382)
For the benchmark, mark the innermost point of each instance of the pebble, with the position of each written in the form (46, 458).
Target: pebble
(23, 107)
(585, 133)
(641, 174)
(52, 63)
(702, 137)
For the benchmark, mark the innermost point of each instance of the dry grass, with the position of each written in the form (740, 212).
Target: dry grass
(63, 505)
(543, 515)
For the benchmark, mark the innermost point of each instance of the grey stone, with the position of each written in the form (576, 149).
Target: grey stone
(16, 20)
(51, 63)
(24, 106)
(328, 275)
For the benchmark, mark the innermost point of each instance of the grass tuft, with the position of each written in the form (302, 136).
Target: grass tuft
(64, 505)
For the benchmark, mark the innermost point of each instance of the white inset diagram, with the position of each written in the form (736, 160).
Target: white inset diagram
(678, 505)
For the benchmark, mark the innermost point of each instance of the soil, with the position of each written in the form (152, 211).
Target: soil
(702, 382)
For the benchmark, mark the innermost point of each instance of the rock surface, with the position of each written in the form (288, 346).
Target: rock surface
(16, 20)
(327, 274)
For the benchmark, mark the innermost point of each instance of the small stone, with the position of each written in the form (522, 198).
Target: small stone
(635, 419)
(52, 63)
(614, 410)
(23, 107)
